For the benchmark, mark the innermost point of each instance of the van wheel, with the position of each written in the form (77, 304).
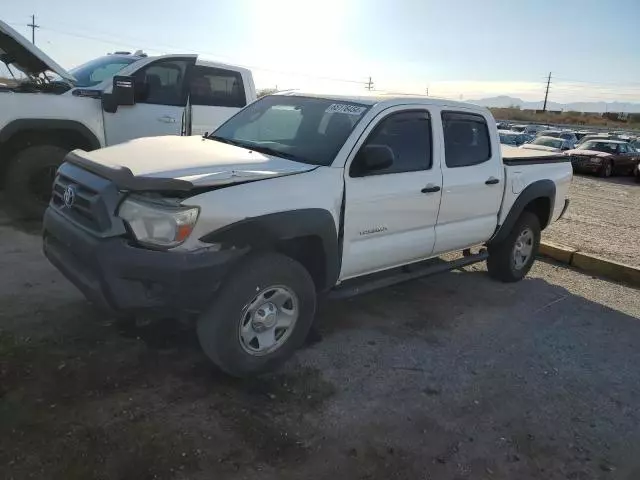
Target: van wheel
(511, 259)
(260, 315)
(29, 179)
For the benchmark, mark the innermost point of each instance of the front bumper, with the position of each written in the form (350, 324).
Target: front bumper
(123, 278)
(585, 164)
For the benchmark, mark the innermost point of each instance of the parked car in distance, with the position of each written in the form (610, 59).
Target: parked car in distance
(508, 137)
(595, 136)
(106, 101)
(297, 196)
(570, 137)
(548, 144)
(605, 157)
(582, 133)
(529, 129)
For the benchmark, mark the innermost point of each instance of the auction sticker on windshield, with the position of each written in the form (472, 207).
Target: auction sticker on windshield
(345, 108)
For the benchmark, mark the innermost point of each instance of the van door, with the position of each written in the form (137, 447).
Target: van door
(390, 214)
(161, 96)
(215, 94)
(472, 182)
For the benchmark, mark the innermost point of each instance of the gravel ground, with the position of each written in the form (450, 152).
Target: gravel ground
(449, 377)
(603, 218)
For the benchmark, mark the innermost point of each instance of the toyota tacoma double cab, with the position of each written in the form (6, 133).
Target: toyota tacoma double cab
(46, 111)
(296, 197)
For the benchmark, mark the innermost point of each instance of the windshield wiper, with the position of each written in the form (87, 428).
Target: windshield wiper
(226, 140)
(276, 153)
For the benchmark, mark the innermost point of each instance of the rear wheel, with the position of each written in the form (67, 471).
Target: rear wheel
(260, 315)
(511, 259)
(29, 179)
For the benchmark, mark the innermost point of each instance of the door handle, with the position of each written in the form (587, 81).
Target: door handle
(167, 119)
(431, 188)
(492, 181)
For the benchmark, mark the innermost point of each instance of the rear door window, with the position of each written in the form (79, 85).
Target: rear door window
(216, 87)
(466, 139)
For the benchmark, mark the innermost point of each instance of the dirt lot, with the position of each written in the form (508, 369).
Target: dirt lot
(604, 218)
(451, 377)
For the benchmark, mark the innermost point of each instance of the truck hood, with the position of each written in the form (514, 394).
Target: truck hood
(194, 161)
(544, 148)
(17, 51)
(588, 153)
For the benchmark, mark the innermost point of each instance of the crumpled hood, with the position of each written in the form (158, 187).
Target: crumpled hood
(196, 160)
(544, 148)
(588, 153)
(17, 51)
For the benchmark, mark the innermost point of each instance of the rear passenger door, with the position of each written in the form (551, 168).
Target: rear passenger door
(472, 181)
(215, 94)
(390, 214)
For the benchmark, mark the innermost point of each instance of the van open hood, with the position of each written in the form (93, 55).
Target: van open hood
(181, 164)
(20, 53)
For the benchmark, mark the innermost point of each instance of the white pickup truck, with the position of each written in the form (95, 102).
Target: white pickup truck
(296, 196)
(50, 111)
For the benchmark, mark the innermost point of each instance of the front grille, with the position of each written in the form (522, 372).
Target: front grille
(94, 202)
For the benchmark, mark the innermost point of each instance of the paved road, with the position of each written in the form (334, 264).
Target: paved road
(604, 218)
(453, 376)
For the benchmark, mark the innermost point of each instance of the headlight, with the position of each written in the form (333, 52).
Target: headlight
(156, 224)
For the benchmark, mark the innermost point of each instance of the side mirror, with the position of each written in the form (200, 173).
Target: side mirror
(123, 93)
(124, 90)
(373, 158)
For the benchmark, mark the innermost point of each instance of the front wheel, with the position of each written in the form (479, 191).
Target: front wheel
(29, 179)
(511, 259)
(607, 169)
(260, 315)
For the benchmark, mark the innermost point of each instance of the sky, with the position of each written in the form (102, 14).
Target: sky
(462, 49)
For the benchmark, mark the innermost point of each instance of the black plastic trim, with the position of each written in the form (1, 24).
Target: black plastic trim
(536, 160)
(124, 178)
(264, 232)
(49, 124)
(539, 189)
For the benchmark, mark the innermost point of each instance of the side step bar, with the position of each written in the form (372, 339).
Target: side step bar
(351, 289)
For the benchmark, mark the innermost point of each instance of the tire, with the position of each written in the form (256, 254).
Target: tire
(238, 304)
(29, 178)
(607, 169)
(502, 263)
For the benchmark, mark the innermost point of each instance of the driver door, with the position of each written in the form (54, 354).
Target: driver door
(161, 97)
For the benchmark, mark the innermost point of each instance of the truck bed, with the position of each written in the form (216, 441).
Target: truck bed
(522, 156)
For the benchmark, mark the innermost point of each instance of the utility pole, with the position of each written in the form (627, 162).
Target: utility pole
(546, 95)
(33, 28)
(427, 91)
(369, 84)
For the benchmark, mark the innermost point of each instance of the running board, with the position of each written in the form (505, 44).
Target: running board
(350, 289)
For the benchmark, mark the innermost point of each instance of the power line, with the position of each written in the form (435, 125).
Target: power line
(253, 67)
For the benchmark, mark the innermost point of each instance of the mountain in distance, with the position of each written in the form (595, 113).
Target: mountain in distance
(504, 101)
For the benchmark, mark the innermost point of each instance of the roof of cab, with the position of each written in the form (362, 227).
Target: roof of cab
(384, 98)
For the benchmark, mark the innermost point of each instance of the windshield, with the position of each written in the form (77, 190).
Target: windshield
(549, 134)
(518, 129)
(92, 73)
(606, 147)
(548, 142)
(304, 129)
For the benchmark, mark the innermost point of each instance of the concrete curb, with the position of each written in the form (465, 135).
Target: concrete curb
(591, 263)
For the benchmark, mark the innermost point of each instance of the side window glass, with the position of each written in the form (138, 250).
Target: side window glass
(407, 135)
(162, 83)
(466, 139)
(216, 87)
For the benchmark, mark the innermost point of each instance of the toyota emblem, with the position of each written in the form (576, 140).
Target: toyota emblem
(69, 196)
